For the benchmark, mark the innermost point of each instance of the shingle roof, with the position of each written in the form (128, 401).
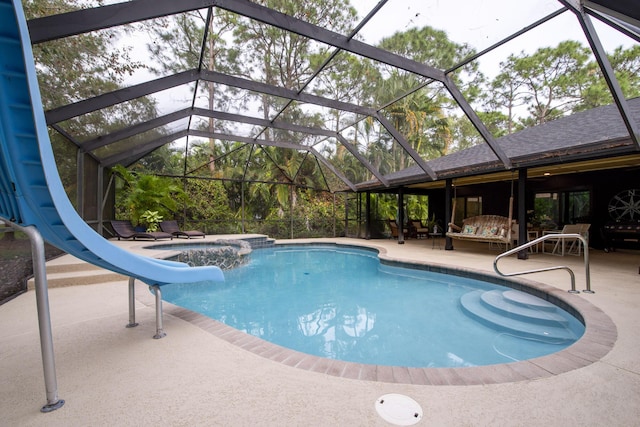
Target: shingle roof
(579, 135)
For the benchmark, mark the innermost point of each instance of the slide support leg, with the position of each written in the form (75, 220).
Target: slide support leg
(44, 318)
(132, 303)
(159, 331)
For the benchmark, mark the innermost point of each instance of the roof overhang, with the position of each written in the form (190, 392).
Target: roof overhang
(543, 171)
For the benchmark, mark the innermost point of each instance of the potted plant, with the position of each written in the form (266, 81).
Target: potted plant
(151, 220)
(432, 222)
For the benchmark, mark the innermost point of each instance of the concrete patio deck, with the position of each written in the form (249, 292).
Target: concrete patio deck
(112, 375)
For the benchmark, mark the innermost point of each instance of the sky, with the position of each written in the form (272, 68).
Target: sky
(481, 23)
(478, 23)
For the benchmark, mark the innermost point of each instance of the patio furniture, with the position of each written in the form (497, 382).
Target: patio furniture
(621, 234)
(436, 237)
(171, 226)
(565, 245)
(393, 225)
(124, 229)
(576, 245)
(419, 229)
(484, 228)
(532, 235)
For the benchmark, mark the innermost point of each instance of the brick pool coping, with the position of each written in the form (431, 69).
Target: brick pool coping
(599, 337)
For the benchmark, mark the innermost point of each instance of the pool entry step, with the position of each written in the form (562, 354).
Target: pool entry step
(518, 312)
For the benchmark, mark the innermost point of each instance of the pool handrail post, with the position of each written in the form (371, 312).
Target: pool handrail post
(132, 303)
(560, 267)
(160, 333)
(587, 273)
(44, 316)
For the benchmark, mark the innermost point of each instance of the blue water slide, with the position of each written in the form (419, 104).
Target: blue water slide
(31, 192)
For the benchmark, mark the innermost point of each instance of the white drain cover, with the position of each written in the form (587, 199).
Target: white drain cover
(399, 409)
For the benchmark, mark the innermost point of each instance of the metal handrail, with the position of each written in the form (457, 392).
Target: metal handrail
(559, 267)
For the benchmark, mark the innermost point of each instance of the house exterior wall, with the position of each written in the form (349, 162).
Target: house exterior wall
(603, 186)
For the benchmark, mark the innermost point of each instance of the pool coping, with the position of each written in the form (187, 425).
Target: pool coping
(598, 339)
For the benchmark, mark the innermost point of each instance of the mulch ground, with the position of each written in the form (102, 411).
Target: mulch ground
(16, 264)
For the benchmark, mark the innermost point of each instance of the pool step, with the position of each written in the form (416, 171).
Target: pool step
(523, 306)
(518, 312)
(88, 276)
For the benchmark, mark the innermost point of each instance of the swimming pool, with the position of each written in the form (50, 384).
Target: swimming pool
(342, 303)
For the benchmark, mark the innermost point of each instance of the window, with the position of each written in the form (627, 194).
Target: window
(551, 210)
(467, 207)
(578, 206)
(546, 211)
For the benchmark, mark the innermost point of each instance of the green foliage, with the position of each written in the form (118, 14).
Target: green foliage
(209, 205)
(626, 65)
(151, 219)
(313, 215)
(142, 192)
(163, 160)
(553, 78)
(555, 81)
(417, 207)
(428, 46)
(78, 67)
(385, 206)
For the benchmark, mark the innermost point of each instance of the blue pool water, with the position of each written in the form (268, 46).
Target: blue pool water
(341, 303)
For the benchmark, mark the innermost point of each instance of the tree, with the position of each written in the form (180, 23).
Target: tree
(626, 65)
(180, 33)
(286, 60)
(208, 203)
(162, 161)
(506, 92)
(78, 68)
(422, 116)
(85, 65)
(143, 192)
(553, 82)
(549, 83)
(428, 46)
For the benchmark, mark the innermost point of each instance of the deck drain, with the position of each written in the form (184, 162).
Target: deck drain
(399, 409)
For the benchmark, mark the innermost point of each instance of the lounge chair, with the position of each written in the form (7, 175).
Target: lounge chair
(393, 225)
(419, 229)
(568, 246)
(125, 230)
(172, 227)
